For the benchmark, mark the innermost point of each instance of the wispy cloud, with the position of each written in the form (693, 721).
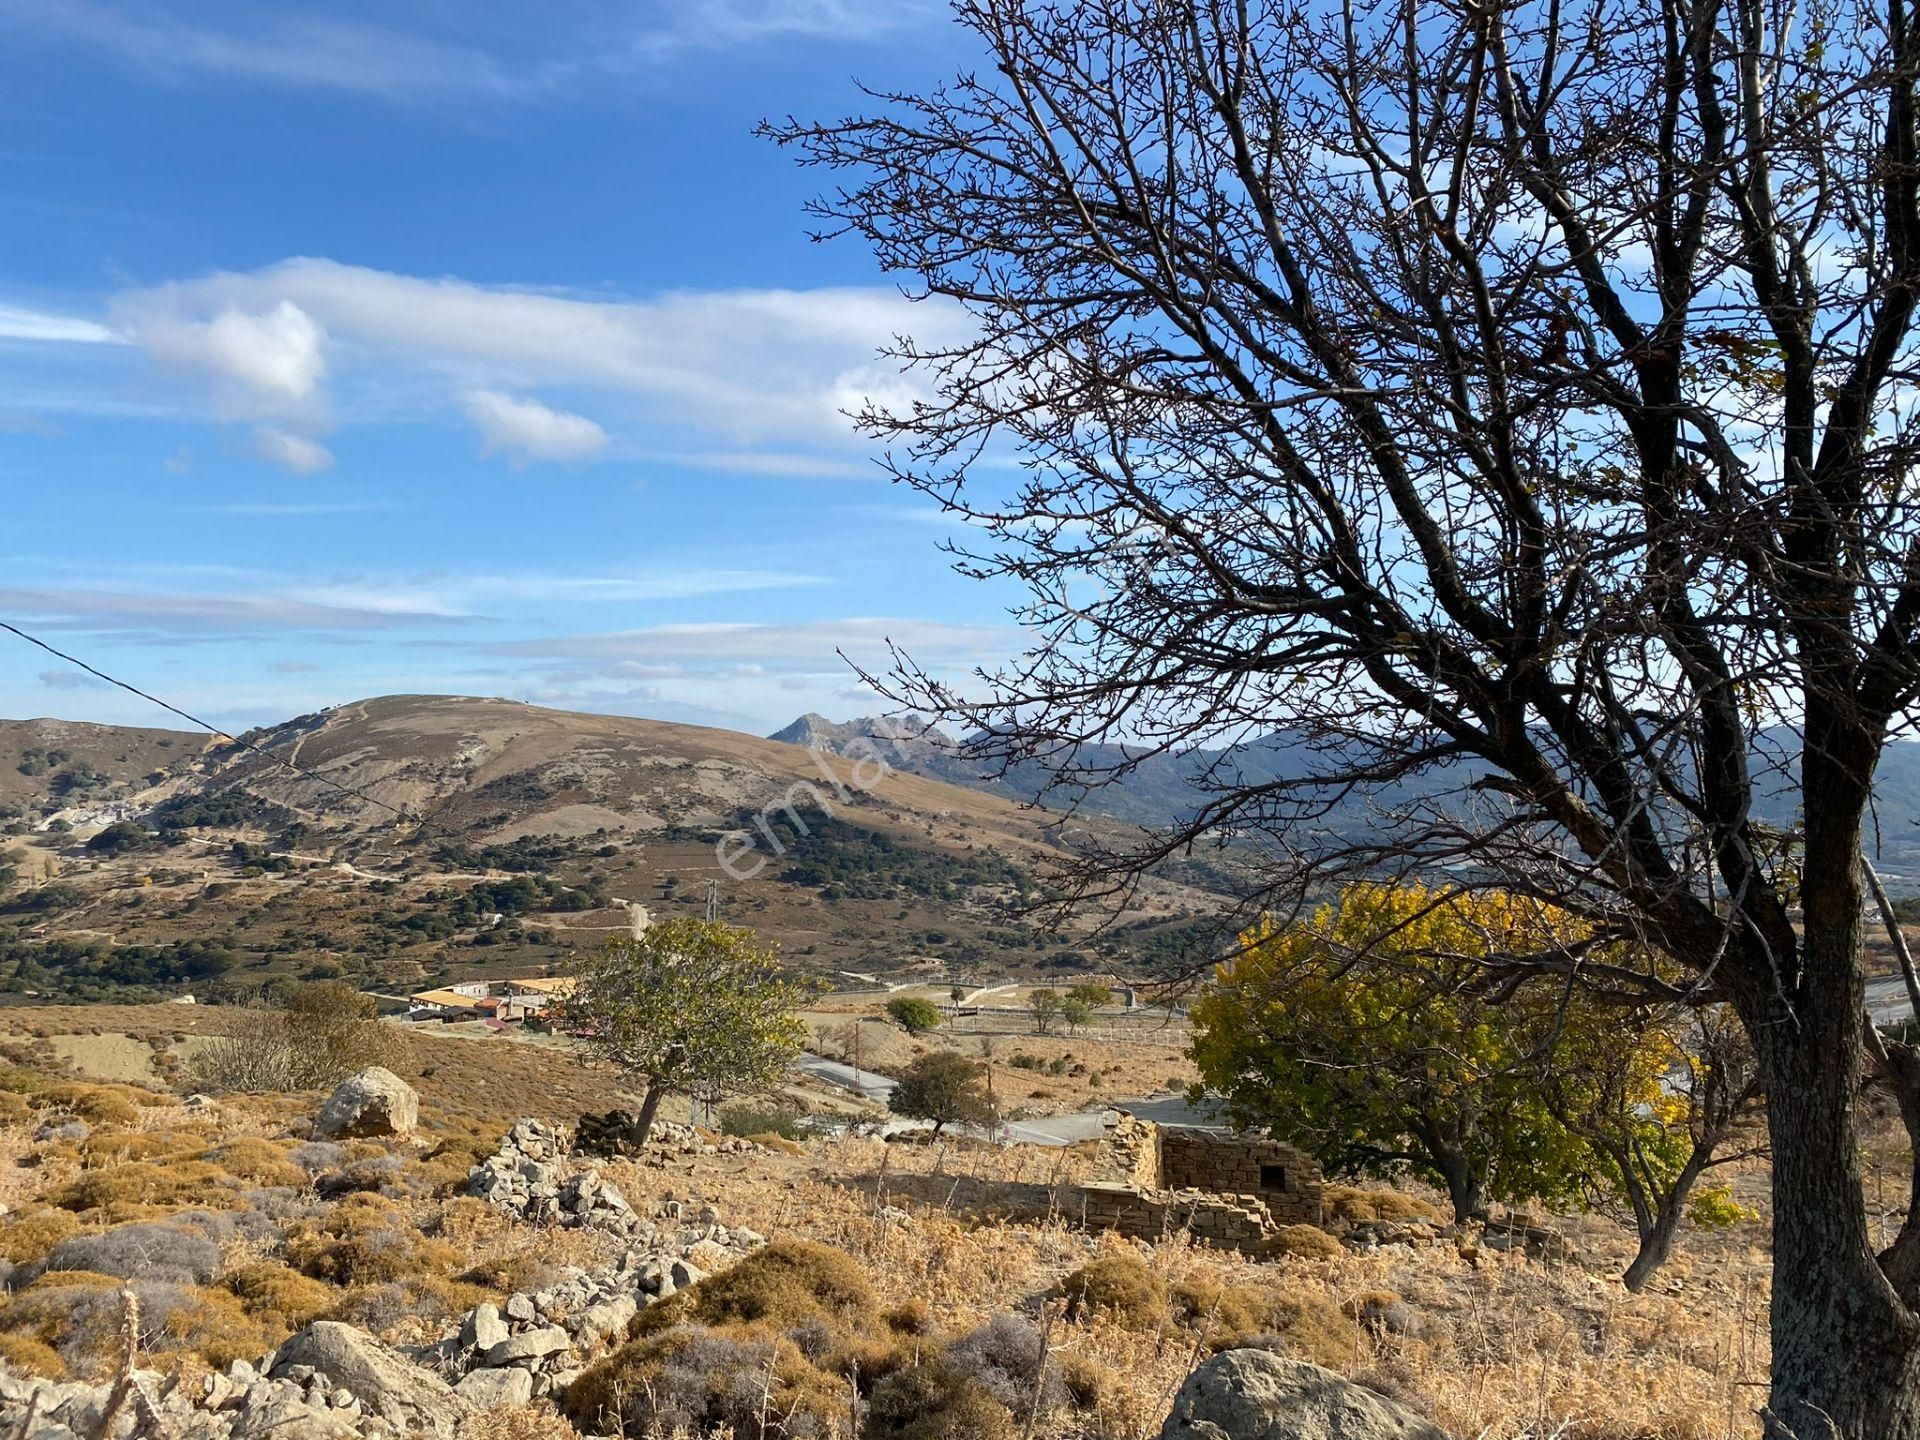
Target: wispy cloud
(797, 646)
(771, 373)
(43, 326)
(560, 50)
(524, 429)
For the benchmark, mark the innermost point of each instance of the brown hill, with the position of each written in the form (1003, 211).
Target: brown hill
(423, 839)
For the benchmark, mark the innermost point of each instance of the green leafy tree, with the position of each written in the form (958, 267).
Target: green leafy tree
(913, 1014)
(1045, 1005)
(1657, 1101)
(688, 1004)
(1353, 1037)
(1075, 1012)
(1091, 995)
(943, 1087)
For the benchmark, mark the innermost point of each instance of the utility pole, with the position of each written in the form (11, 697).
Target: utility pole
(713, 901)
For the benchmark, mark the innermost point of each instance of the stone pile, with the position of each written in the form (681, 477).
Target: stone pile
(531, 1177)
(534, 1344)
(616, 1135)
(329, 1382)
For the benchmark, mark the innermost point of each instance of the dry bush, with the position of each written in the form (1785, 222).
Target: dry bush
(781, 1286)
(366, 1240)
(1358, 1207)
(411, 1308)
(280, 1297)
(1118, 1287)
(142, 1251)
(95, 1104)
(25, 1355)
(933, 1401)
(695, 1380)
(106, 1147)
(140, 1189)
(1005, 1355)
(79, 1315)
(1308, 1242)
(516, 1422)
(28, 1236)
(326, 1032)
(251, 1157)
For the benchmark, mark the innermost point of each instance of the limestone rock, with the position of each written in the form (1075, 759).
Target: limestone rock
(374, 1102)
(490, 1389)
(384, 1380)
(1257, 1395)
(534, 1345)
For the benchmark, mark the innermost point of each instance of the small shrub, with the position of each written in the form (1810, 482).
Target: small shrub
(96, 1104)
(1119, 1286)
(1005, 1356)
(692, 1380)
(80, 1316)
(1308, 1242)
(1224, 1311)
(132, 1190)
(912, 1316)
(27, 1237)
(252, 1158)
(749, 1122)
(162, 1251)
(105, 1147)
(412, 1300)
(313, 1156)
(913, 1014)
(32, 1357)
(365, 1240)
(934, 1401)
(279, 1296)
(780, 1286)
(1353, 1206)
(1381, 1312)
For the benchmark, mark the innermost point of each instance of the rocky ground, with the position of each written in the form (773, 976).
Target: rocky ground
(211, 1268)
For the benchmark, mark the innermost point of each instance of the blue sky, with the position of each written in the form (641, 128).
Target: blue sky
(426, 346)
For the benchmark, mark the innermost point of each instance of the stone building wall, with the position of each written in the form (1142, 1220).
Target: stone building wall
(1285, 1179)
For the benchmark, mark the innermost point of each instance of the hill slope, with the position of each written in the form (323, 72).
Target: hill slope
(423, 839)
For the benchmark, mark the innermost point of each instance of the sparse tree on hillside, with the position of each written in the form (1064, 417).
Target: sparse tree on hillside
(1511, 407)
(688, 1005)
(945, 1088)
(1045, 1006)
(1658, 1107)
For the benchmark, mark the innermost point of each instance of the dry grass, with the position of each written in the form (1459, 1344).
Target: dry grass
(1495, 1345)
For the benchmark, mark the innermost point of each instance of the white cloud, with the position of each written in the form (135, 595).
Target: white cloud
(271, 359)
(290, 451)
(529, 430)
(489, 55)
(19, 324)
(802, 645)
(752, 366)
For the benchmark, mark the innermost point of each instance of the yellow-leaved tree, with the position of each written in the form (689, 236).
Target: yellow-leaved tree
(1369, 1036)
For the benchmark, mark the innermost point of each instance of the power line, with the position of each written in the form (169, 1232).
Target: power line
(213, 729)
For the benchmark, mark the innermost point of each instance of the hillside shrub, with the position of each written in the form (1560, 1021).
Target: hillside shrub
(749, 1122)
(79, 1315)
(250, 1157)
(280, 1297)
(934, 1401)
(1004, 1357)
(1119, 1287)
(104, 1147)
(780, 1286)
(96, 1104)
(141, 1251)
(365, 1240)
(1359, 1207)
(136, 1191)
(1381, 1312)
(693, 1380)
(1308, 1242)
(28, 1236)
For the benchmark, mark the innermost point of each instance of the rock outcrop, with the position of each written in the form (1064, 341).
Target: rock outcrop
(373, 1102)
(401, 1392)
(1257, 1395)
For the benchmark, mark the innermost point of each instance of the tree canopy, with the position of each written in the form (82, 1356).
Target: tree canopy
(688, 1005)
(1505, 411)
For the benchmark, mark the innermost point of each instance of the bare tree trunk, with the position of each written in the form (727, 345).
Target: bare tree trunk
(1656, 1245)
(1846, 1346)
(649, 1108)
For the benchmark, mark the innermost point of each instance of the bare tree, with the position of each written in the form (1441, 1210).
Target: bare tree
(1510, 409)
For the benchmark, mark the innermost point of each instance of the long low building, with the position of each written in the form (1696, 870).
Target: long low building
(506, 1001)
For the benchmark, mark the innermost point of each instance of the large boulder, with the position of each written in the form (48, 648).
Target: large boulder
(385, 1381)
(1257, 1395)
(374, 1102)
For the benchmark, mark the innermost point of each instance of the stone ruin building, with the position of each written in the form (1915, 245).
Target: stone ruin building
(1237, 1191)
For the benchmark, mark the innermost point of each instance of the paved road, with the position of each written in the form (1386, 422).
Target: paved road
(1044, 1130)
